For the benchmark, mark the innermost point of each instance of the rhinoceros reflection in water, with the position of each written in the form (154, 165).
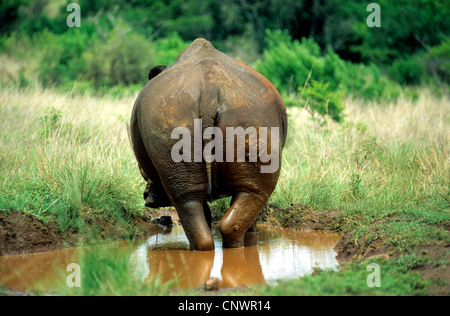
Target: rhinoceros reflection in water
(278, 254)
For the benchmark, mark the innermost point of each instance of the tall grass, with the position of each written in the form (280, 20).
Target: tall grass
(385, 169)
(390, 157)
(67, 157)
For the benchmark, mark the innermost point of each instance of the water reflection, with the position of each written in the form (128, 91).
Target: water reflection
(270, 255)
(38, 271)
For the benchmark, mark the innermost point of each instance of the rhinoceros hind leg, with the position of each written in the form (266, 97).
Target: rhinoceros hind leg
(195, 226)
(240, 217)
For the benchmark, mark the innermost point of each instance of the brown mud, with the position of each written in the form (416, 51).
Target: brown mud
(22, 233)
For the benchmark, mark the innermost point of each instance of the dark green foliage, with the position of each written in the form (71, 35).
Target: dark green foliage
(319, 99)
(166, 49)
(62, 60)
(125, 58)
(407, 27)
(320, 37)
(9, 14)
(437, 62)
(117, 57)
(288, 62)
(322, 80)
(407, 70)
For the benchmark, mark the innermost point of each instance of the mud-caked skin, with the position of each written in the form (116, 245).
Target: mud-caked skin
(206, 84)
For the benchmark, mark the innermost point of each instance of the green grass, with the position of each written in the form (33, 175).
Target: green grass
(105, 273)
(67, 159)
(395, 279)
(383, 160)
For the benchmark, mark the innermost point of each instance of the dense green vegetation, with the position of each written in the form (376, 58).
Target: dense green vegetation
(325, 51)
(407, 27)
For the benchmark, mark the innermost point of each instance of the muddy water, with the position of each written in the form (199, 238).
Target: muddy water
(270, 254)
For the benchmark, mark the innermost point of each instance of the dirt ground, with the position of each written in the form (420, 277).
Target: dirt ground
(22, 233)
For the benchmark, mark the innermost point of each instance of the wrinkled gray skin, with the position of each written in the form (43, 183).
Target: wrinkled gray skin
(205, 83)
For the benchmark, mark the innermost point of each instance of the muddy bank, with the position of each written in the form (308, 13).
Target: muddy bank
(431, 257)
(22, 233)
(304, 217)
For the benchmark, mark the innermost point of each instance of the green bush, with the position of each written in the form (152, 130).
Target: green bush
(62, 59)
(81, 61)
(289, 64)
(79, 55)
(125, 58)
(369, 83)
(405, 29)
(407, 71)
(437, 62)
(318, 98)
(168, 48)
(190, 26)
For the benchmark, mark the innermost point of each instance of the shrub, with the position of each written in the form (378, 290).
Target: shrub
(125, 58)
(407, 71)
(318, 98)
(437, 62)
(168, 48)
(190, 26)
(62, 60)
(369, 83)
(289, 64)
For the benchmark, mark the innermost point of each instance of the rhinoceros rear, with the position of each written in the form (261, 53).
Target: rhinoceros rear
(208, 126)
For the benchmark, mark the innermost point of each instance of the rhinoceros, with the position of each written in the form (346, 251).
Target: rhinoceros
(204, 128)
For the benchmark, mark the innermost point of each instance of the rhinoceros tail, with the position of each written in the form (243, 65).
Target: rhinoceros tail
(209, 189)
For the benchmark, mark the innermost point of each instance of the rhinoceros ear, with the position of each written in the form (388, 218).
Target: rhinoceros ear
(156, 71)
